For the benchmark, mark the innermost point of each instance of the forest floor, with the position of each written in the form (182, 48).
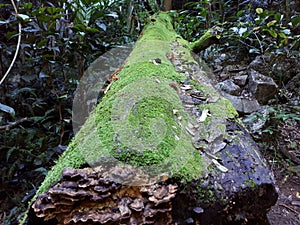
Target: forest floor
(287, 176)
(287, 209)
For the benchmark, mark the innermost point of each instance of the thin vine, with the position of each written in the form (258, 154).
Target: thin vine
(18, 45)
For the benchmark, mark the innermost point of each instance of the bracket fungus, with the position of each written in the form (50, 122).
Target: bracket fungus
(84, 196)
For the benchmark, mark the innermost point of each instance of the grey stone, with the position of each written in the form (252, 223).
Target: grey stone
(224, 75)
(261, 64)
(264, 88)
(242, 105)
(229, 87)
(257, 120)
(235, 68)
(294, 84)
(276, 66)
(232, 70)
(240, 80)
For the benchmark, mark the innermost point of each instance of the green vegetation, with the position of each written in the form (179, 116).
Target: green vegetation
(250, 183)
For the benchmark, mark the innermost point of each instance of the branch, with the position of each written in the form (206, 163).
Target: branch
(18, 45)
(209, 38)
(9, 126)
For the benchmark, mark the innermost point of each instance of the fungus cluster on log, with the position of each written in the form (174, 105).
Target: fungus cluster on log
(85, 196)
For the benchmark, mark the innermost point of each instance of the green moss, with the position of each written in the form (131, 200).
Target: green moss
(70, 158)
(159, 28)
(228, 153)
(250, 183)
(205, 196)
(205, 88)
(221, 109)
(144, 125)
(137, 125)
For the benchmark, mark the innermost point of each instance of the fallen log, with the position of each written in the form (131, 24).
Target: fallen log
(162, 147)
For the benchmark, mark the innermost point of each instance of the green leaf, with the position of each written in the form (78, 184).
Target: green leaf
(42, 9)
(240, 13)
(42, 43)
(278, 17)
(12, 34)
(51, 10)
(7, 109)
(54, 10)
(296, 21)
(79, 27)
(23, 17)
(9, 152)
(273, 33)
(58, 16)
(286, 31)
(27, 6)
(43, 18)
(259, 10)
(246, 34)
(271, 23)
(282, 35)
(63, 96)
(93, 30)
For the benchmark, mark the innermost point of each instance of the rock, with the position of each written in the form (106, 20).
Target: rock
(294, 84)
(256, 120)
(231, 70)
(242, 105)
(229, 87)
(224, 75)
(277, 67)
(264, 88)
(261, 64)
(240, 80)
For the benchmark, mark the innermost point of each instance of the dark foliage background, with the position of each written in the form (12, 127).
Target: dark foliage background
(59, 41)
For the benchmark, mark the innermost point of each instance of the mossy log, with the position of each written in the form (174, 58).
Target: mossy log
(161, 147)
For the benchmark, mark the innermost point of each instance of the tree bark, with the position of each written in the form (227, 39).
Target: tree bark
(162, 147)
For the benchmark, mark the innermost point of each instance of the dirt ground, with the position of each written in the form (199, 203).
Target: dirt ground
(287, 209)
(286, 168)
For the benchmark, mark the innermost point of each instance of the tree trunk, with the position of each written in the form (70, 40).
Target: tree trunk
(162, 147)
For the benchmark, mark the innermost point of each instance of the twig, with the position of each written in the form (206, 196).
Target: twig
(293, 210)
(292, 157)
(18, 45)
(250, 46)
(260, 44)
(9, 126)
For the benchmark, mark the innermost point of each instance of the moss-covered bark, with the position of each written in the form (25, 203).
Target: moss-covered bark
(154, 43)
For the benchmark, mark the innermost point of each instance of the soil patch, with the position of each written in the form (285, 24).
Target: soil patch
(287, 209)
